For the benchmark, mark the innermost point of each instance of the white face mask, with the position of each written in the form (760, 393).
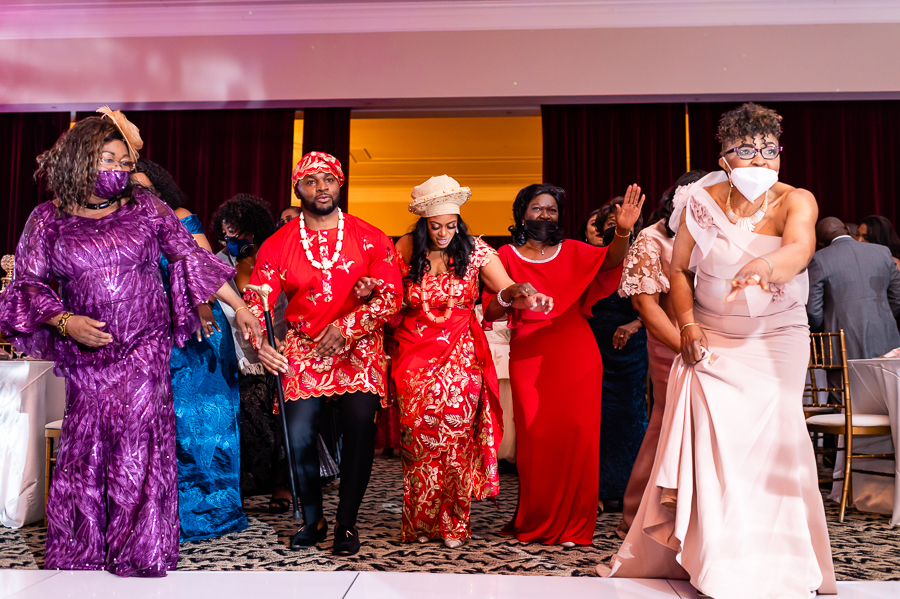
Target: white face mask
(752, 181)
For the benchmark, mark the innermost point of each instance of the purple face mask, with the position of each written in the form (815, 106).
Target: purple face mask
(111, 183)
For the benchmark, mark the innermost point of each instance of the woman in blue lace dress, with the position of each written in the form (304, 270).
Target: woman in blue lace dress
(207, 400)
(622, 340)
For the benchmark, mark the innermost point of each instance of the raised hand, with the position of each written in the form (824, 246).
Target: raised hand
(628, 213)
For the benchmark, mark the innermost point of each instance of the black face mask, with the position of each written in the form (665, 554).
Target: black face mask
(541, 230)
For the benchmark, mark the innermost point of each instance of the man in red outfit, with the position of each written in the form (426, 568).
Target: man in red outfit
(333, 349)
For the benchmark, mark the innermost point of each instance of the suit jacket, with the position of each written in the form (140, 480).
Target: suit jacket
(856, 287)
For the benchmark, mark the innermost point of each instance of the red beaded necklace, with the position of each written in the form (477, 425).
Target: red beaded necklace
(451, 301)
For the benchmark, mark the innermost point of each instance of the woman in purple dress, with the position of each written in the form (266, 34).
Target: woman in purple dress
(110, 329)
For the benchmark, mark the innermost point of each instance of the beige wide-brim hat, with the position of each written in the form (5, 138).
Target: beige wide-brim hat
(438, 196)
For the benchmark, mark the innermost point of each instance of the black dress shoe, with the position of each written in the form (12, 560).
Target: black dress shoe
(308, 536)
(346, 540)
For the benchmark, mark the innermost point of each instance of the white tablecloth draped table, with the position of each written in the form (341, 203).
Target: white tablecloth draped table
(498, 339)
(30, 397)
(875, 389)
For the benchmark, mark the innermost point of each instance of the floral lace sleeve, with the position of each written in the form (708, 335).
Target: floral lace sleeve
(481, 253)
(642, 270)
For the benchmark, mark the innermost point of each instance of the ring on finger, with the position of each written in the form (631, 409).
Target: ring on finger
(756, 278)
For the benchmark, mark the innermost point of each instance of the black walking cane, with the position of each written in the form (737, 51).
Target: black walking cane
(263, 292)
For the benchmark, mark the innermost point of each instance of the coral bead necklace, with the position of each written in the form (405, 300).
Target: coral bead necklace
(325, 264)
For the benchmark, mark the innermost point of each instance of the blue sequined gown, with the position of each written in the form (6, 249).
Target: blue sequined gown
(207, 413)
(623, 417)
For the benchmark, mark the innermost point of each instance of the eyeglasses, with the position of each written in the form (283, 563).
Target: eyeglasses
(749, 152)
(109, 164)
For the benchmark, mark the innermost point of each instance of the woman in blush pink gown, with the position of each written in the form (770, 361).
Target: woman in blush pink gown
(733, 501)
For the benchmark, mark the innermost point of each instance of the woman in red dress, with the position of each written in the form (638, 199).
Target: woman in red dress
(450, 417)
(555, 367)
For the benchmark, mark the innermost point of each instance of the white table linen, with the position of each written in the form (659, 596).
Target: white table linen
(30, 397)
(498, 340)
(874, 389)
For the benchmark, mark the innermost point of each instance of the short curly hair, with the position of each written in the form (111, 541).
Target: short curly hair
(247, 213)
(747, 120)
(69, 169)
(165, 185)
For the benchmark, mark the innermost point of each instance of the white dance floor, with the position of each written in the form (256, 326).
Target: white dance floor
(38, 584)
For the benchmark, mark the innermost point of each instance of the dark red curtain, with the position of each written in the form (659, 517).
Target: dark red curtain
(845, 153)
(594, 152)
(328, 130)
(215, 154)
(24, 135)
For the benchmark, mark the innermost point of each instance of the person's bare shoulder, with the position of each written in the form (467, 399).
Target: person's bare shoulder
(404, 247)
(800, 200)
(182, 212)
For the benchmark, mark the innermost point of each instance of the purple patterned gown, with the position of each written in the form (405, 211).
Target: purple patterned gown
(114, 497)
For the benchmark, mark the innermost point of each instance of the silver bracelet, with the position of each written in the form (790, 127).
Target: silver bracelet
(766, 260)
(500, 298)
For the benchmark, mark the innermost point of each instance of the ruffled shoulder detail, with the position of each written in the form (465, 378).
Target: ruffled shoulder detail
(642, 271)
(693, 201)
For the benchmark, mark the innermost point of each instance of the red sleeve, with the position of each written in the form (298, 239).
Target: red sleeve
(385, 300)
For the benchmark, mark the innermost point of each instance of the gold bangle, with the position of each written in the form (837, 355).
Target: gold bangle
(616, 231)
(241, 308)
(689, 324)
(63, 321)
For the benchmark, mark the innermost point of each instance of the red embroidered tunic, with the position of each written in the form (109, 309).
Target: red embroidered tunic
(317, 298)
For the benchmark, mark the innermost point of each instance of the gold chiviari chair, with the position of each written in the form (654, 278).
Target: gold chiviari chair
(829, 354)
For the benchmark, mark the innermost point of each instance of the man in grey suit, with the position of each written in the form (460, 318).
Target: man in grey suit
(856, 287)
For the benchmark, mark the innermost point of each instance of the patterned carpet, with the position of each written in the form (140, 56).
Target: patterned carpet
(865, 546)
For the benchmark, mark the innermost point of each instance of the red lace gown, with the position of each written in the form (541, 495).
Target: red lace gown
(450, 422)
(556, 374)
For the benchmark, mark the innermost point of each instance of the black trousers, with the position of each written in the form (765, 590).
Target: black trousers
(356, 414)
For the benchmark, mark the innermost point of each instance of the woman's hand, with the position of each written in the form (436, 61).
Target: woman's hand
(330, 342)
(86, 331)
(365, 286)
(628, 213)
(624, 333)
(250, 326)
(755, 272)
(693, 342)
(538, 302)
(207, 322)
(520, 290)
(271, 357)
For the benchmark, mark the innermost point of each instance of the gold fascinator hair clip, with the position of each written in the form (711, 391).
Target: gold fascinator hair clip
(131, 133)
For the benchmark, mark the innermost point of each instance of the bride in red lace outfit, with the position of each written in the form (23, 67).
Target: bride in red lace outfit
(450, 425)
